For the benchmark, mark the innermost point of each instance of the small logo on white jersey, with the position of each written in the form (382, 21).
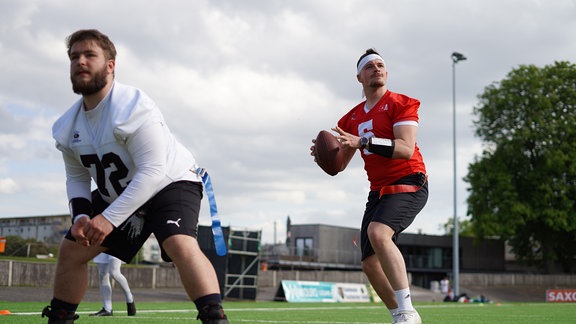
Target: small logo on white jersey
(76, 137)
(176, 222)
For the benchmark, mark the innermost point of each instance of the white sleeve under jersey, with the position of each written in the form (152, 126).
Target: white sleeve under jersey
(125, 147)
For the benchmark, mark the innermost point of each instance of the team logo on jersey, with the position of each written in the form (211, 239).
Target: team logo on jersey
(385, 108)
(76, 137)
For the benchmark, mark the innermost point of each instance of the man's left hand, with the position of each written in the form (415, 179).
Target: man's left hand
(97, 230)
(347, 139)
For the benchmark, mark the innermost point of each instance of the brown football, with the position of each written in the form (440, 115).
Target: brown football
(328, 152)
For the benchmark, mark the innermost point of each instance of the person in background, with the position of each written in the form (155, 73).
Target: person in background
(444, 285)
(109, 266)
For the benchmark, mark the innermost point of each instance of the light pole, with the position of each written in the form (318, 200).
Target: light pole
(456, 57)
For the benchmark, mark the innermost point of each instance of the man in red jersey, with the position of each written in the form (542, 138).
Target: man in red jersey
(384, 128)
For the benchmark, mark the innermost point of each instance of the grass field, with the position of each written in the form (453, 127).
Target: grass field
(314, 313)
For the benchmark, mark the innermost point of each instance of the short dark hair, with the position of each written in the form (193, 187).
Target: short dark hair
(92, 34)
(368, 52)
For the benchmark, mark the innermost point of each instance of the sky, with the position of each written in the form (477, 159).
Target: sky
(246, 85)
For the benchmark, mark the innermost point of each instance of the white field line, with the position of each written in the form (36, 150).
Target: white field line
(273, 309)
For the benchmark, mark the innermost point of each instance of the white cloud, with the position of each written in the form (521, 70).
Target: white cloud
(8, 186)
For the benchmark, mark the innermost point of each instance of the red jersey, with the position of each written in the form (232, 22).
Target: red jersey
(393, 109)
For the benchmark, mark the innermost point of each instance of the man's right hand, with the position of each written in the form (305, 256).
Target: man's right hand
(78, 230)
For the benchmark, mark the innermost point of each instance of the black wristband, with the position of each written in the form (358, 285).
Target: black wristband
(364, 142)
(381, 146)
(79, 206)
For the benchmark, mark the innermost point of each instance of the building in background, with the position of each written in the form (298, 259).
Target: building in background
(428, 257)
(48, 229)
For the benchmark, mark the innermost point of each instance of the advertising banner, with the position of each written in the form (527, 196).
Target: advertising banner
(561, 295)
(317, 291)
(309, 291)
(352, 293)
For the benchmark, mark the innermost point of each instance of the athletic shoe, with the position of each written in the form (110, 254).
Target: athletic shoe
(59, 316)
(131, 307)
(406, 317)
(212, 314)
(102, 312)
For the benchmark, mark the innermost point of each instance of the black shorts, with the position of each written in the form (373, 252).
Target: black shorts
(173, 210)
(396, 210)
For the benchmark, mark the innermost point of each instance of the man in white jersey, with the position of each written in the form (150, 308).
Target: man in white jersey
(116, 136)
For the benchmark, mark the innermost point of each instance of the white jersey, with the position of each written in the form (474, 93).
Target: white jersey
(124, 145)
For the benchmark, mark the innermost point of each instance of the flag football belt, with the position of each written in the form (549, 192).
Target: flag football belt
(219, 242)
(401, 188)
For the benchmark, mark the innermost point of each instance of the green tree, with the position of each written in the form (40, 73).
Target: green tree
(465, 228)
(18, 246)
(523, 186)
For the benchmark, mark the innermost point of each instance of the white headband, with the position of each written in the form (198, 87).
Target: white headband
(367, 59)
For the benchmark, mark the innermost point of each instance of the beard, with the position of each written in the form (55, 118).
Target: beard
(376, 83)
(90, 87)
